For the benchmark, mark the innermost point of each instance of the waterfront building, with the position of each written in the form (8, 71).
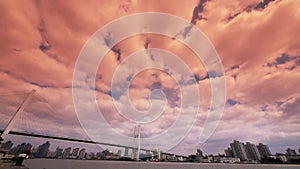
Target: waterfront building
(51, 154)
(264, 150)
(229, 152)
(126, 152)
(67, 152)
(58, 152)
(119, 153)
(230, 160)
(75, 152)
(238, 150)
(21, 148)
(90, 156)
(252, 152)
(282, 157)
(290, 152)
(7, 145)
(42, 150)
(199, 153)
(81, 154)
(100, 156)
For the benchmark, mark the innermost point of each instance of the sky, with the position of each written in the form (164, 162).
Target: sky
(257, 43)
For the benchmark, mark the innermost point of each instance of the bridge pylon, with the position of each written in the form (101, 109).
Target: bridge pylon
(137, 139)
(16, 115)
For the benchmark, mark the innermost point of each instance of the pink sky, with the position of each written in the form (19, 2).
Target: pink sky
(257, 42)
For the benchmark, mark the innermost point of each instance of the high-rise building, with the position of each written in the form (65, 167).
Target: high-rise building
(67, 152)
(126, 152)
(8, 145)
(18, 149)
(99, 155)
(42, 150)
(34, 150)
(199, 153)
(238, 150)
(290, 152)
(91, 155)
(263, 150)
(58, 152)
(81, 154)
(229, 152)
(252, 152)
(21, 148)
(27, 148)
(119, 152)
(75, 152)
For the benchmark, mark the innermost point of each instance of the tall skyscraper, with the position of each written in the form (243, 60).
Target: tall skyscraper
(290, 152)
(67, 152)
(199, 153)
(8, 145)
(238, 150)
(21, 148)
(126, 152)
(27, 148)
(42, 150)
(58, 152)
(119, 152)
(81, 154)
(252, 152)
(75, 152)
(229, 152)
(264, 150)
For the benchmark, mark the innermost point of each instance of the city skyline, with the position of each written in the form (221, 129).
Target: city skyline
(257, 42)
(236, 152)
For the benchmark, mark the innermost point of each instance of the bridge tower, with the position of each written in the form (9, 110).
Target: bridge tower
(16, 115)
(137, 139)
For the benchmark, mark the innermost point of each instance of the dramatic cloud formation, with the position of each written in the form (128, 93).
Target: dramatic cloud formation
(257, 41)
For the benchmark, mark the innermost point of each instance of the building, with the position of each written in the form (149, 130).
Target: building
(58, 152)
(238, 150)
(27, 148)
(107, 154)
(252, 152)
(119, 153)
(81, 154)
(21, 148)
(51, 154)
(199, 153)
(75, 152)
(66, 153)
(126, 152)
(264, 150)
(8, 145)
(42, 150)
(90, 156)
(290, 152)
(229, 152)
(282, 157)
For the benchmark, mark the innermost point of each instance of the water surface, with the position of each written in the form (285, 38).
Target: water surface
(93, 164)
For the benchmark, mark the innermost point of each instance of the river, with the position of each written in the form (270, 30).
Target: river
(95, 164)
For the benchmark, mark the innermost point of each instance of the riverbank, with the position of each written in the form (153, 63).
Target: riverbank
(8, 164)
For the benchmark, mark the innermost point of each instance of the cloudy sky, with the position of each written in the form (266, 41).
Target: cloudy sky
(257, 43)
